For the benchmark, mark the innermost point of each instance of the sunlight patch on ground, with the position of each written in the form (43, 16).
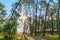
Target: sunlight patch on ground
(52, 35)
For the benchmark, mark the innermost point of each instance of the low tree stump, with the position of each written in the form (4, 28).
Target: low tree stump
(6, 36)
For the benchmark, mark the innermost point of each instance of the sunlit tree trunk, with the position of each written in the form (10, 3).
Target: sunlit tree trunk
(40, 26)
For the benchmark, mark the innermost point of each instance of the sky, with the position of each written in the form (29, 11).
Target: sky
(8, 5)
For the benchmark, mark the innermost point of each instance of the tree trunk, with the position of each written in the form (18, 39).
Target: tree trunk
(58, 19)
(52, 24)
(36, 16)
(44, 26)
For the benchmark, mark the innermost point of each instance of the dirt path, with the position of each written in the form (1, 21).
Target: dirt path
(33, 38)
(29, 38)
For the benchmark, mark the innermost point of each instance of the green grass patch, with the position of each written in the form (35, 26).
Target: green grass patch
(2, 39)
(48, 37)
